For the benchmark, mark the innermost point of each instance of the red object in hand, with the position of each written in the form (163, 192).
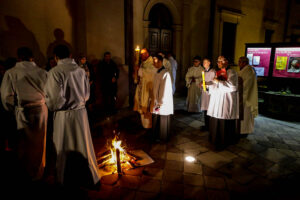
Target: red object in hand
(222, 74)
(157, 109)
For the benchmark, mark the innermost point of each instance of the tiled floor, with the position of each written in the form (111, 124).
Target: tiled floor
(265, 164)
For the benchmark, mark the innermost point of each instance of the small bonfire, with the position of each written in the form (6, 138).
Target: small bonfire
(116, 159)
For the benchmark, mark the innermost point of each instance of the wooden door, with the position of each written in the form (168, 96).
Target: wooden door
(160, 40)
(154, 40)
(166, 40)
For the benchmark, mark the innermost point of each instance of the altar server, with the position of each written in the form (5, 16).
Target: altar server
(223, 106)
(67, 90)
(193, 79)
(22, 93)
(162, 100)
(209, 75)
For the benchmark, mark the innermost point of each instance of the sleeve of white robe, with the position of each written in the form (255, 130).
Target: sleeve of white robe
(7, 93)
(231, 85)
(188, 77)
(87, 89)
(54, 92)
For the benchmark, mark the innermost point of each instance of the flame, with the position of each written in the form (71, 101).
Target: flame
(124, 158)
(137, 48)
(116, 144)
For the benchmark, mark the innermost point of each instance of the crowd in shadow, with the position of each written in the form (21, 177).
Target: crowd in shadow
(102, 75)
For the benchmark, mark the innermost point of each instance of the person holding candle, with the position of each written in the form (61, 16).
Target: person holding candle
(136, 64)
(143, 92)
(223, 107)
(207, 78)
(193, 79)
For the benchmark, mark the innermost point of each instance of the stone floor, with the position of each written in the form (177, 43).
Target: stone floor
(265, 165)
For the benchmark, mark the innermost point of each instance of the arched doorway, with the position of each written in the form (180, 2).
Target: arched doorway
(160, 29)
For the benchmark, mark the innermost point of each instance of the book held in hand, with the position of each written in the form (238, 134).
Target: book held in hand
(222, 74)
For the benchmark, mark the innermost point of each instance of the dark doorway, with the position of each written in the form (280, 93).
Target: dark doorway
(160, 29)
(268, 35)
(228, 41)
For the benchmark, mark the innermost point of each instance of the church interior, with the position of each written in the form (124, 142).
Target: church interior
(265, 164)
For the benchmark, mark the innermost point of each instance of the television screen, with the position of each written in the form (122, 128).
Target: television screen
(287, 62)
(259, 58)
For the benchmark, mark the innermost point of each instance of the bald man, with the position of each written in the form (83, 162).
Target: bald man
(250, 96)
(144, 89)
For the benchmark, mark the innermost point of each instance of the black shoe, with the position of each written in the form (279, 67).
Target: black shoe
(243, 135)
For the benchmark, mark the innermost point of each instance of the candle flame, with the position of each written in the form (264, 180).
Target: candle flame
(137, 48)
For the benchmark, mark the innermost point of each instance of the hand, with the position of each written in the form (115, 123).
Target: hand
(215, 80)
(113, 80)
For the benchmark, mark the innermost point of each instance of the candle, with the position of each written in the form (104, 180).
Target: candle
(137, 55)
(136, 63)
(203, 79)
(119, 169)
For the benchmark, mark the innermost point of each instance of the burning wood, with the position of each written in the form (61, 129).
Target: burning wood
(117, 159)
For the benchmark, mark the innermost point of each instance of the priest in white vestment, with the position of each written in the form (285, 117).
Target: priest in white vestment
(67, 90)
(162, 101)
(144, 89)
(22, 92)
(250, 96)
(193, 79)
(223, 106)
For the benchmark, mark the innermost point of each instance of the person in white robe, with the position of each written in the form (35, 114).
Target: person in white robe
(209, 75)
(144, 89)
(166, 62)
(250, 96)
(67, 90)
(174, 70)
(162, 101)
(193, 79)
(223, 107)
(22, 92)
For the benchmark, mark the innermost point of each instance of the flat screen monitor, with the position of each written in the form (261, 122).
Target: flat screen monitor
(259, 58)
(287, 62)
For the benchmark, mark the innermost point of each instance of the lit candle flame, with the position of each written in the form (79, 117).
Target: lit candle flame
(137, 48)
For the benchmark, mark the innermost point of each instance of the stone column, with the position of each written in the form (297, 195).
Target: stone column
(186, 46)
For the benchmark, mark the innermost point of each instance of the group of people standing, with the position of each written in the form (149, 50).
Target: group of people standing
(103, 75)
(227, 98)
(29, 92)
(154, 92)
